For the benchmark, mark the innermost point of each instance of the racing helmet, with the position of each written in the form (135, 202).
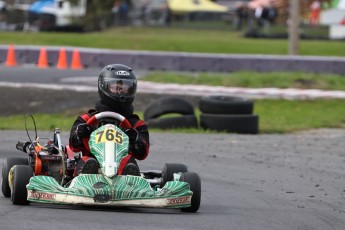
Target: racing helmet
(117, 85)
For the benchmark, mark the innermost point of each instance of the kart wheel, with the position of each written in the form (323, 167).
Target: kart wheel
(20, 178)
(8, 164)
(194, 182)
(169, 169)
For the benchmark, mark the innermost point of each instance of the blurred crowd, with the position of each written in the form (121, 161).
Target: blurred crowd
(259, 12)
(251, 13)
(142, 12)
(243, 14)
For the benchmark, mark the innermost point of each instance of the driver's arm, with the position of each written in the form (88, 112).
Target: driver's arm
(75, 143)
(140, 149)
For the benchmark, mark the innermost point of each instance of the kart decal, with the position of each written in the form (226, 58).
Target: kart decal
(41, 195)
(107, 135)
(179, 200)
(115, 189)
(109, 165)
(109, 145)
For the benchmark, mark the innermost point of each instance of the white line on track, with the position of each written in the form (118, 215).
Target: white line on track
(197, 90)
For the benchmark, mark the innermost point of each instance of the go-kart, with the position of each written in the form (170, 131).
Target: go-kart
(46, 174)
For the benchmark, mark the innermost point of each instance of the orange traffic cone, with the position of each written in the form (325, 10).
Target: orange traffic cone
(11, 57)
(62, 60)
(42, 59)
(76, 63)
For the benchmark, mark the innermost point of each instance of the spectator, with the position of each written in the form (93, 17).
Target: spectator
(3, 14)
(315, 10)
(168, 15)
(115, 11)
(242, 12)
(123, 13)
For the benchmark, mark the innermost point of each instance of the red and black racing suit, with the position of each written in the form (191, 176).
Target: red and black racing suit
(138, 150)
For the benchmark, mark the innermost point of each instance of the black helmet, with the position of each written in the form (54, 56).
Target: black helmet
(117, 85)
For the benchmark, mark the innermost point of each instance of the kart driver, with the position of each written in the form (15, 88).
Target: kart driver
(117, 86)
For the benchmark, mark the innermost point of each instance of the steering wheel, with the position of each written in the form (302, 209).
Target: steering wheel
(124, 123)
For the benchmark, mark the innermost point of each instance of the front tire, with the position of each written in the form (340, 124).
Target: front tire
(169, 169)
(21, 175)
(194, 182)
(9, 163)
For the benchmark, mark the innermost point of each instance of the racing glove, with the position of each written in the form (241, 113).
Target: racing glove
(83, 130)
(132, 134)
(137, 147)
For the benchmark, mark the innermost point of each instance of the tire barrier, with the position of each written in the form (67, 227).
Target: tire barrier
(185, 121)
(225, 105)
(170, 105)
(229, 114)
(179, 61)
(244, 124)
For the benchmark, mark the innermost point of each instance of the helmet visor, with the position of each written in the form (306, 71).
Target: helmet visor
(120, 87)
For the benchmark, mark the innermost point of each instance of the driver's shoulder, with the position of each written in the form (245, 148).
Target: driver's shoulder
(87, 115)
(92, 112)
(134, 116)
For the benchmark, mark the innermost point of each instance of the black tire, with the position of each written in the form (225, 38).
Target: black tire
(225, 105)
(168, 104)
(245, 124)
(8, 164)
(21, 177)
(185, 121)
(169, 169)
(194, 182)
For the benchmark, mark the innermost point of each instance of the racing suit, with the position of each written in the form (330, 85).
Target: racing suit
(138, 150)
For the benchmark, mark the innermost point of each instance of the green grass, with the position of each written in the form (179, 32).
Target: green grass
(63, 121)
(173, 39)
(283, 116)
(275, 116)
(253, 79)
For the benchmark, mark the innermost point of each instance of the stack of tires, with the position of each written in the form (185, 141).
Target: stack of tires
(229, 114)
(171, 105)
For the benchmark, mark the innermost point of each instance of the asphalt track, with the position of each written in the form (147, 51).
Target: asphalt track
(260, 182)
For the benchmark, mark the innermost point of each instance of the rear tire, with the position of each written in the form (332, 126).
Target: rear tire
(21, 177)
(194, 182)
(169, 169)
(8, 164)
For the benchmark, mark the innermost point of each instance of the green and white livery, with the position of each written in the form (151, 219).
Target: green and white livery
(173, 187)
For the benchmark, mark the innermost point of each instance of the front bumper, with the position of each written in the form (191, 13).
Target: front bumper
(96, 189)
